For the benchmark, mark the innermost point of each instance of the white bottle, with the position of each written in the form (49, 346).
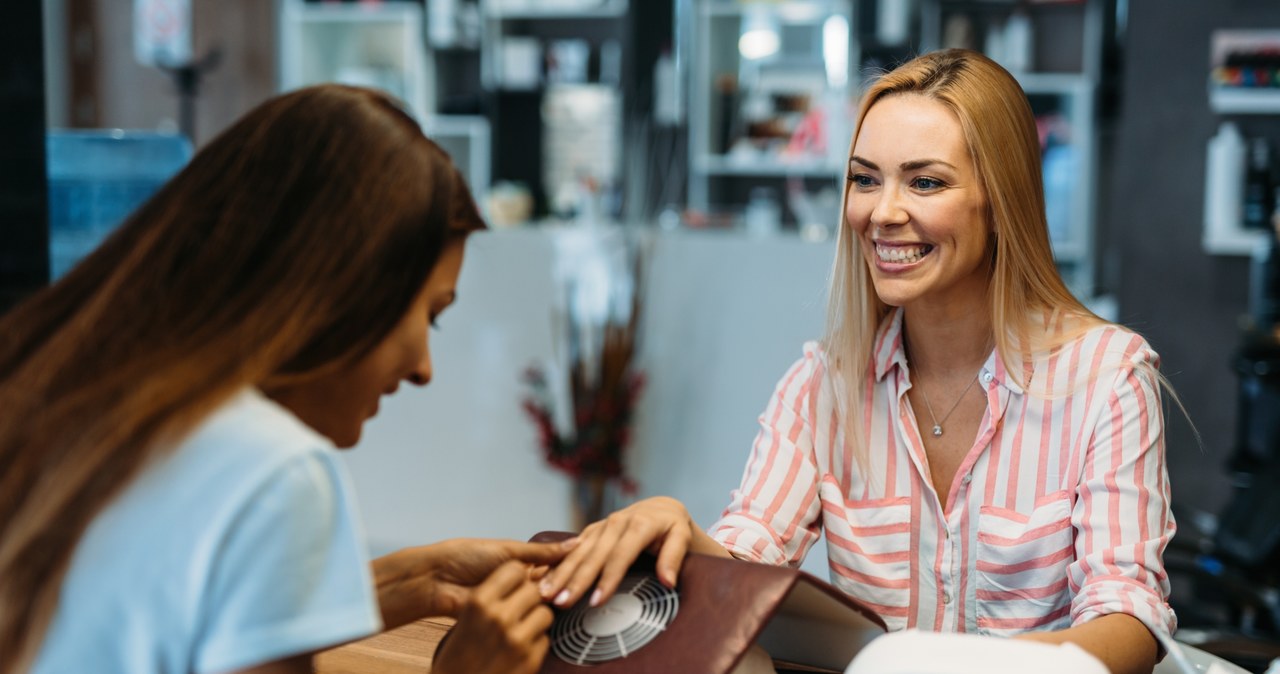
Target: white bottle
(666, 91)
(893, 21)
(1224, 186)
(442, 23)
(1018, 42)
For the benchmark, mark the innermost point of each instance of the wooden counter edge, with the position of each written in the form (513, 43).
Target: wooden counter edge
(404, 650)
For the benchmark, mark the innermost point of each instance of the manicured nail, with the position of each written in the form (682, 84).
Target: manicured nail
(545, 588)
(570, 543)
(562, 598)
(595, 599)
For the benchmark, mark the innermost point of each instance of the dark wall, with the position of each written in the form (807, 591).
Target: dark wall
(1186, 303)
(24, 259)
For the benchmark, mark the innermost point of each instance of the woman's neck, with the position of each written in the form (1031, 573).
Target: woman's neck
(948, 342)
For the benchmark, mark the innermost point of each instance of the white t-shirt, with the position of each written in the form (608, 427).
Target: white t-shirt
(240, 548)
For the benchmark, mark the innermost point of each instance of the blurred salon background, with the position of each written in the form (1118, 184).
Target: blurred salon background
(662, 179)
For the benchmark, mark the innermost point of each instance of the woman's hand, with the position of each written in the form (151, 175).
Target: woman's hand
(438, 579)
(606, 549)
(501, 627)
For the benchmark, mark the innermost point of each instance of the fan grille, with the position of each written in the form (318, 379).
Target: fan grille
(636, 614)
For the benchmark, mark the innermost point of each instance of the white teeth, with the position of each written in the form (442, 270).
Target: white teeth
(901, 254)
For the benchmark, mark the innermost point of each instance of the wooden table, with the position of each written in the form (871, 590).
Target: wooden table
(409, 649)
(404, 650)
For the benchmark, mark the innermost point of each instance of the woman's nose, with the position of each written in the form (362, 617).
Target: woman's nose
(420, 375)
(888, 210)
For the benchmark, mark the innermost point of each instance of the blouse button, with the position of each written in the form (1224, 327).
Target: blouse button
(987, 377)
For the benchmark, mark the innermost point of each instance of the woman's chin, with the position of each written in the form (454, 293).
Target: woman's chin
(345, 438)
(896, 293)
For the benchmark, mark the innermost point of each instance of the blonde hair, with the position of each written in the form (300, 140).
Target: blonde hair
(1026, 292)
(294, 241)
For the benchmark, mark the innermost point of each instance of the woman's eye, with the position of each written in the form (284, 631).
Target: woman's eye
(923, 183)
(861, 180)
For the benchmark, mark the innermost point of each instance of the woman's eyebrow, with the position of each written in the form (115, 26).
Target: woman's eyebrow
(913, 165)
(917, 164)
(865, 162)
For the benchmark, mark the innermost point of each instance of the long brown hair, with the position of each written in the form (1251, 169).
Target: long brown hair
(294, 241)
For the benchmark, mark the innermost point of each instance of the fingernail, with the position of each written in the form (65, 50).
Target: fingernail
(570, 543)
(595, 599)
(545, 588)
(562, 598)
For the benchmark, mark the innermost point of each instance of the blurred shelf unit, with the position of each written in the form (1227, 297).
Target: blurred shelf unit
(466, 139)
(770, 96)
(556, 76)
(1244, 72)
(381, 45)
(729, 166)
(1244, 101)
(528, 9)
(518, 34)
(1054, 49)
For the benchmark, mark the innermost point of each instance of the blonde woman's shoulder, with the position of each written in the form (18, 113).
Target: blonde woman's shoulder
(1115, 344)
(1085, 352)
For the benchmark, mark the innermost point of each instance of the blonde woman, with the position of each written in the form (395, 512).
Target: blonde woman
(982, 453)
(171, 496)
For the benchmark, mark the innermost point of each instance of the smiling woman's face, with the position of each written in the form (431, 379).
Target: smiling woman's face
(917, 205)
(337, 403)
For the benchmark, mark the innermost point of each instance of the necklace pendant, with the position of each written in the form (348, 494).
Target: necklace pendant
(937, 431)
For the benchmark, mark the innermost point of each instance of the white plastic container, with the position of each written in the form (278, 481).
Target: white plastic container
(1018, 47)
(1224, 193)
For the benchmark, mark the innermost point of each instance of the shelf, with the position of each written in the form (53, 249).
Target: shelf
(1068, 251)
(613, 9)
(795, 11)
(762, 166)
(1237, 242)
(353, 13)
(1242, 101)
(1053, 83)
(1011, 4)
(381, 45)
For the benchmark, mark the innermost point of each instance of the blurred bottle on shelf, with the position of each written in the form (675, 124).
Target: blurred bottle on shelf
(1259, 199)
(1018, 47)
(1224, 182)
(764, 214)
(1264, 279)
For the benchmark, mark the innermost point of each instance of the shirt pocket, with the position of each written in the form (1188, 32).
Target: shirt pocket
(1022, 561)
(868, 546)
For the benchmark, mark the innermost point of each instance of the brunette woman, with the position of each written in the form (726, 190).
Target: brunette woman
(171, 496)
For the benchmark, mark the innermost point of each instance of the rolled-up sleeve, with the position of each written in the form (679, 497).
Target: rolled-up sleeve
(1121, 513)
(773, 517)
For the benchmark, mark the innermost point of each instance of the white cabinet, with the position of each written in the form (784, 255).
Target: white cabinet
(381, 45)
(770, 94)
(558, 77)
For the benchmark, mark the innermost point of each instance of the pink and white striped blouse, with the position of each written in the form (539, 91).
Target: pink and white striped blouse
(1059, 513)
